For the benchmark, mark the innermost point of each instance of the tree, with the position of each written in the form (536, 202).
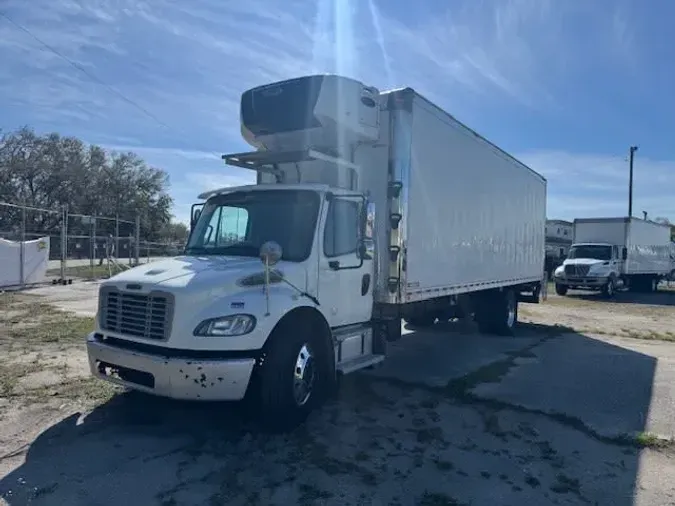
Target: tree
(51, 172)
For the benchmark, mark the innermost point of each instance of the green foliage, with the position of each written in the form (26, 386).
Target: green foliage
(50, 171)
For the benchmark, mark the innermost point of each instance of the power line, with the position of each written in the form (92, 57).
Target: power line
(96, 79)
(85, 71)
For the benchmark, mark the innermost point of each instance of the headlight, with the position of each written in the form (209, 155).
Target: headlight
(225, 326)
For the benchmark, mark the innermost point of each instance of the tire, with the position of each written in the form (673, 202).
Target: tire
(391, 330)
(281, 401)
(561, 289)
(497, 313)
(536, 293)
(609, 290)
(654, 285)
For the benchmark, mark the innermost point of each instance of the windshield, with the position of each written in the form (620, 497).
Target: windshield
(238, 224)
(594, 252)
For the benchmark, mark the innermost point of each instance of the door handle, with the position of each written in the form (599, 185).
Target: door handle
(365, 284)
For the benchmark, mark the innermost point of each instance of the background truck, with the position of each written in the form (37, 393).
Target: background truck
(370, 207)
(611, 253)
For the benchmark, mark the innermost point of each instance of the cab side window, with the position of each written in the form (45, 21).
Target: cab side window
(341, 235)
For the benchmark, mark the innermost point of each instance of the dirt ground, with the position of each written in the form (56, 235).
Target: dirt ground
(575, 409)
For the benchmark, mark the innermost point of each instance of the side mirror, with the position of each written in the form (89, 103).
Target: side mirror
(270, 253)
(195, 213)
(624, 253)
(362, 250)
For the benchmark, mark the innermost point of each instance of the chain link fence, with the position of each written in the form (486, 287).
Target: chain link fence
(73, 246)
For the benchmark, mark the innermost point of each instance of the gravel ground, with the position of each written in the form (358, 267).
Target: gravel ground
(452, 418)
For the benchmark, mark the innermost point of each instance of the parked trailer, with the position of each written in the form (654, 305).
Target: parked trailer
(612, 253)
(370, 207)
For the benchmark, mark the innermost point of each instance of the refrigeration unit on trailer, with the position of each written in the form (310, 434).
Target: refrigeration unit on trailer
(370, 208)
(612, 253)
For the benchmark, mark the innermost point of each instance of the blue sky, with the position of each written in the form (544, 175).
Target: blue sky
(566, 86)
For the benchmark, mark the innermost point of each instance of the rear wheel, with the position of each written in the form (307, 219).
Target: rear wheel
(655, 285)
(497, 313)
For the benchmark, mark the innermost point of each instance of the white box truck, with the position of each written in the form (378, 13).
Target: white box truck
(612, 253)
(370, 207)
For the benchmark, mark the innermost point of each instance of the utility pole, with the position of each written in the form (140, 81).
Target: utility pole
(633, 149)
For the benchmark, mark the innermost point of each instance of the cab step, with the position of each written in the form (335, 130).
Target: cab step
(359, 363)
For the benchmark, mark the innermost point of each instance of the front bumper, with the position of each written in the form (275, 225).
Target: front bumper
(583, 282)
(177, 378)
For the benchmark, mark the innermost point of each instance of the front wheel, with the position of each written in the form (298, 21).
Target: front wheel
(609, 289)
(294, 378)
(560, 289)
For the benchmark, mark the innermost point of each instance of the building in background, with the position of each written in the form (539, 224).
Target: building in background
(559, 235)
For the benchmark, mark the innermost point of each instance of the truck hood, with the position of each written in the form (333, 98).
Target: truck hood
(583, 261)
(205, 274)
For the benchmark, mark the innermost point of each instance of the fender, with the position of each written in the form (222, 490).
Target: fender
(283, 300)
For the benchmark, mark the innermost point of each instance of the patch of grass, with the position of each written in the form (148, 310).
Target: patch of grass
(87, 272)
(87, 389)
(429, 435)
(56, 328)
(361, 456)
(27, 324)
(437, 499)
(532, 481)
(306, 449)
(443, 465)
(566, 485)
(309, 494)
(25, 319)
(649, 440)
(650, 335)
(11, 374)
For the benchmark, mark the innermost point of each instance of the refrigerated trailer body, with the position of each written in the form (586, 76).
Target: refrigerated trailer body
(611, 253)
(370, 207)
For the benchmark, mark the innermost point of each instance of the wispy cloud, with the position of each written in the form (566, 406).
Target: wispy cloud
(584, 185)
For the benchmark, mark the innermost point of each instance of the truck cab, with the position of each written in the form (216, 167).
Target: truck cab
(591, 266)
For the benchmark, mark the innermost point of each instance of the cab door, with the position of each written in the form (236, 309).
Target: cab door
(345, 273)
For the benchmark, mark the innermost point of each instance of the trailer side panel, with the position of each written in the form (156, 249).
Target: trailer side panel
(475, 216)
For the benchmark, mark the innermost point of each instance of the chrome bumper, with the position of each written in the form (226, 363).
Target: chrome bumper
(177, 378)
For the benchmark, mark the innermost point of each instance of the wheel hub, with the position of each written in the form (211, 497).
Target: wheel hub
(303, 377)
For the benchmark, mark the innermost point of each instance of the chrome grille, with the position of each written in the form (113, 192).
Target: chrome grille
(577, 270)
(139, 315)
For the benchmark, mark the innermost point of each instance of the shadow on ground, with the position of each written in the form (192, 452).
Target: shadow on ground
(451, 418)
